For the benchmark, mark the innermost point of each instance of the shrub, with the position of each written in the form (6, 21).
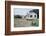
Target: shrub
(17, 16)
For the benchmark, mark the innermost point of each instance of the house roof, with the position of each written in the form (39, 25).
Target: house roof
(35, 11)
(32, 12)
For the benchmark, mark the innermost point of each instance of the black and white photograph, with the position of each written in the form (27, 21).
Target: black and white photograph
(26, 17)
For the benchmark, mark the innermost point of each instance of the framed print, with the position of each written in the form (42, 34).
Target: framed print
(24, 17)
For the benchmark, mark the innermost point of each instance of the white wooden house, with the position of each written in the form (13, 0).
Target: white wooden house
(30, 15)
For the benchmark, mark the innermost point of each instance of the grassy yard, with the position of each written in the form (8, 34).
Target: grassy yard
(25, 23)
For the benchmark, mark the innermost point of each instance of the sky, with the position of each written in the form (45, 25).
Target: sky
(21, 11)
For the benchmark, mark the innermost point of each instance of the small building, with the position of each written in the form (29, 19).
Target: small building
(31, 15)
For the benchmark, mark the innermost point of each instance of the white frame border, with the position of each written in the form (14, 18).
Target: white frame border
(25, 28)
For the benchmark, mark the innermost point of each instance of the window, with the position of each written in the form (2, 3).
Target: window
(30, 15)
(34, 15)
